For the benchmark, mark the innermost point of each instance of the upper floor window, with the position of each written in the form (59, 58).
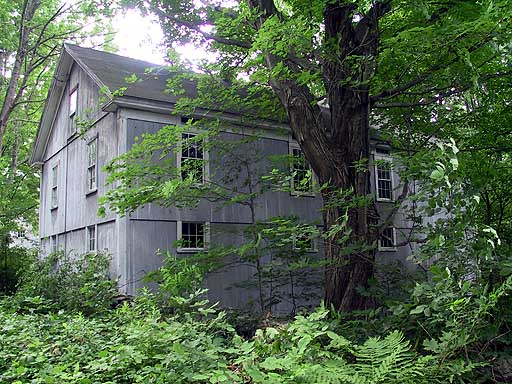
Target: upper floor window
(73, 106)
(91, 238)
(54, 186)
(192, 236)
(192, 165)
(383, 177)
(92, 159)
(387, 239)
(302, 175)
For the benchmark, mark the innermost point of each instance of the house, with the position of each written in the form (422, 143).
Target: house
(72, 180)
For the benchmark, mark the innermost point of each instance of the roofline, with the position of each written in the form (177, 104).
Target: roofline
(60, 78)
(86, 69)
(50, 108)
(166, 108)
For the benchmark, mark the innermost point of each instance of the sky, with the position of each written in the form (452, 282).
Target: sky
(139, 37)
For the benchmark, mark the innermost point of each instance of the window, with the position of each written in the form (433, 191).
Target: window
(54, 187)
(92, 158)
(20, 233)
(387, 240)
(383, 178)
(304, 242)
(73, 106)
(302, 176)
(54, 244)
(192, 236)
(192, 159)
(91, 238)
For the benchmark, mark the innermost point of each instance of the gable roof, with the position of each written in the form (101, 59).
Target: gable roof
(111, 72)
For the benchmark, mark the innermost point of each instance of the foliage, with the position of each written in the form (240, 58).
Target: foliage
(73, 282)
(310, 351)
(412, 70)
(132, 344)
(14, 262)
(137, 343)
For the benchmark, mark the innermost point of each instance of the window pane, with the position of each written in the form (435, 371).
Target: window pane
(302, 176)
(92, 153)
(73, 100)
(387, 238)
(192, 235)
(91, 238)
(192, 164)
(55, 175)
(384, 182)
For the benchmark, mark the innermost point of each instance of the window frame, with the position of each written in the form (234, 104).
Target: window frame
(72, 114)
(205, 158)
(94, 227)
(313, 249)
(179, 236)
(382, 248)
(388, 158)
(291, 147)
(89, 166)
(54, 243)
(54, 186)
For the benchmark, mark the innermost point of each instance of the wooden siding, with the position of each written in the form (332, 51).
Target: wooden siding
(76, 209)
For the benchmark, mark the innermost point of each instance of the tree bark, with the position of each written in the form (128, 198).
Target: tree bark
(13, 89)
(336, 143)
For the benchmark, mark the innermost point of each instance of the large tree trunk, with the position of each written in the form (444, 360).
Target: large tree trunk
(336, 142)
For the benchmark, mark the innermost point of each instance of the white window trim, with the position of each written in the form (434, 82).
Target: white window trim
(95, 226)
(179, 236)
(388, 249)
(293, 192)
(206, 156)
(388, 158)
(88, 191)
(54, 186)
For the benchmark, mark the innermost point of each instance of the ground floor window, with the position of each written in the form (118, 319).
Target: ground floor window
(91, 238)
(387, 240)
(54, 243)
(192, 236)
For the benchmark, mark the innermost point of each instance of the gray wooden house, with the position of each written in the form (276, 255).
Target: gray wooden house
(72, 179)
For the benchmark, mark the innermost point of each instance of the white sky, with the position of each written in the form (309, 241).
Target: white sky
(140, 37)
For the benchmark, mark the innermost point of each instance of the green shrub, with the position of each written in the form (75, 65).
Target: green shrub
(75, 283)
(138, 343)
(13, 263)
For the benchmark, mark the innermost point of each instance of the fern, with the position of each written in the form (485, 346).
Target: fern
(308, 351)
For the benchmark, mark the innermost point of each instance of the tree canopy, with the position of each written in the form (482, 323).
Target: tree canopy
(346, 71)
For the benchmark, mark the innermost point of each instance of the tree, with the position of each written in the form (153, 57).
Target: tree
(338, 67)
(33, 33)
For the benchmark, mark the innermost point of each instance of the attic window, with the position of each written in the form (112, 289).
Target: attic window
(73, 105)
